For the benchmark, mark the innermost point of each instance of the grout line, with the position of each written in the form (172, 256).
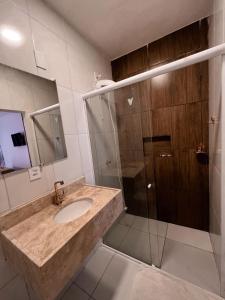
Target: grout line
(159, 257)
(163, 272)
(107, 265)
(8, 282)
(130, 258)
(83, 290)
(148, 232)
(27, 289)
(79, 287)
(7, 191)
(191, 246)
(64, 292)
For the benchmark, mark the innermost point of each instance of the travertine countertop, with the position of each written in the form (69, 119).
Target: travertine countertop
(39, 237)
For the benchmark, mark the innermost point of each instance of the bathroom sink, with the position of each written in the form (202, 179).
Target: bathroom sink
(73, 210)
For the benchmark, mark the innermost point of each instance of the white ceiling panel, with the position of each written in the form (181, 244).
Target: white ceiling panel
(120, 26)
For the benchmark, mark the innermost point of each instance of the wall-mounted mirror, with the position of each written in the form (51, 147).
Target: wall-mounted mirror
(31, 131)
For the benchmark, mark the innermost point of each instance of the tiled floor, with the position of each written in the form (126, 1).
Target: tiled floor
(196, 238)
(110, 275)
(138, 237)
(192, 264)
(181, 251)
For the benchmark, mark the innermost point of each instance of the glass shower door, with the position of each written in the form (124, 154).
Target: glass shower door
(104, 140)
(123, 158)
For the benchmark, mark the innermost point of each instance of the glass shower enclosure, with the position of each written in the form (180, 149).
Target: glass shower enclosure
(124, 159)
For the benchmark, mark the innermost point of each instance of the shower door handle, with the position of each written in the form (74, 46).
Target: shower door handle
(163, 155)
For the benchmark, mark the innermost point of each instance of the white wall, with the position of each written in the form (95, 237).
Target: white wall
(71, 60)
(216, 130)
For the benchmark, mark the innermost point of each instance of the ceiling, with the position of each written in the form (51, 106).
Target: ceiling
(117, 27)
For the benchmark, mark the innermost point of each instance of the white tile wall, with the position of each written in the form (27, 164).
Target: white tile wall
(80, 112)
(43, 14)
(71, 167)
(21, 190)
(66, 100)
(20, 57)
(86, 155)
(21, 4)
(47, 42)
(4, 203)
(72, 61)
(90, 177)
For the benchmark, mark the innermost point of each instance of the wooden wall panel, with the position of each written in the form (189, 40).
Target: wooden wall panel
(166, 202)
(174, 108)
(178, 84)
(162, 121)
(133, 63)
(144, 92)
(182, 185)
(187, 40)
(137, 61)
(179, 127)
(146, 121)
(193, 124)
(168, 89)
(119, 68)
(121, 101)
(183, 42)
(161, 51)
(204, 80)
(193, 83)
(205, 123)
(160, 91)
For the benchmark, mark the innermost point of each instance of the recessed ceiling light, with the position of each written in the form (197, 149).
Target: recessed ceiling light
(11, 36)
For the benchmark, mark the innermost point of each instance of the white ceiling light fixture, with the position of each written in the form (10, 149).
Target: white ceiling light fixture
(11, 36)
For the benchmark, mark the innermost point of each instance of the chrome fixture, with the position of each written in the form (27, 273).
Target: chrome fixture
(59, 193)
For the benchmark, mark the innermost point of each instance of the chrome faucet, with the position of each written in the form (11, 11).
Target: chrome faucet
(59, 194)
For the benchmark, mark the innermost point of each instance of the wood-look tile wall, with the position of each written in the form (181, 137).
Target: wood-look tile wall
(174, 105)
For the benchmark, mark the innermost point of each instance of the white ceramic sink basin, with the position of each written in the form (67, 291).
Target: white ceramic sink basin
(73, 210)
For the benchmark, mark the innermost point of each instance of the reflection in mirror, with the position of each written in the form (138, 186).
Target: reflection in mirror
(49, 135)
(31, 103)
(14, 153)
